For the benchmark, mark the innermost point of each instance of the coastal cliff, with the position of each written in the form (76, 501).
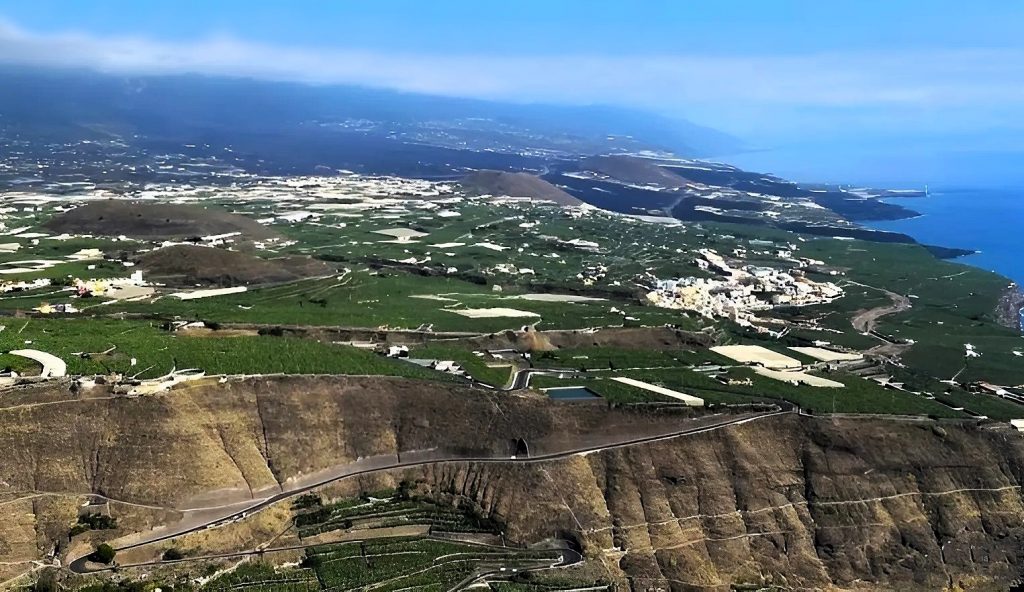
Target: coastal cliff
(787, 503)
(783, 500)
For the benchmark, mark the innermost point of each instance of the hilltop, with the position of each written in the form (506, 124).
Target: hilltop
(189, 265)
(517, 185)
(630, 169)
(154, 221)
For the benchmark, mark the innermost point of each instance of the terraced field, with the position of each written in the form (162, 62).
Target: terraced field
(387, 512)
(145, 350)
(390, 563)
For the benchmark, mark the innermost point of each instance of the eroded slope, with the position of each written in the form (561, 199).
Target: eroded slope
(802, 503)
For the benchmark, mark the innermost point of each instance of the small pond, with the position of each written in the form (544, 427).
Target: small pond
(572, 393)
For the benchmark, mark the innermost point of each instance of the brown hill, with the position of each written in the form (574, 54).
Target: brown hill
(156, 221)
(634, 170)
(190, 265)
(517, 185)
(783, 502)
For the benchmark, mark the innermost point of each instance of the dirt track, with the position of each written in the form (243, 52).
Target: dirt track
(865, 320)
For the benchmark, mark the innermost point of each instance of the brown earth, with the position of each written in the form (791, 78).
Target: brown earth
(154, 221)
(210, 444)
(792, 502)
(866, 320)
(804, 503)
(631, 169)
(188, 265)
(501, 183)
(256, 433)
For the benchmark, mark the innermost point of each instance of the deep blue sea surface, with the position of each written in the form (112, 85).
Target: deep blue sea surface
(990, 221)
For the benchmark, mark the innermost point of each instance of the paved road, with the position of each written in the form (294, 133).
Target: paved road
(233, 512)
(53, 367)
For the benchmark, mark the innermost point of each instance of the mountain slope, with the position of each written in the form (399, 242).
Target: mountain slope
(500, 183)
(790, 501)
(188, 265)
(630, 169)
(191, 108)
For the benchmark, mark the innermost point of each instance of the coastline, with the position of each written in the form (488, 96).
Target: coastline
(949, 253)
(977, 227)
(981, 221)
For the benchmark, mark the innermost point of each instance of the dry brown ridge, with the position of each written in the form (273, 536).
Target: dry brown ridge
(631, 169)
(187, 265)
(154, 221)
(860, 504)
(501, 183)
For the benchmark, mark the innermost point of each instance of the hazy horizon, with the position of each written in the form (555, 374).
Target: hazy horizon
(922, 92)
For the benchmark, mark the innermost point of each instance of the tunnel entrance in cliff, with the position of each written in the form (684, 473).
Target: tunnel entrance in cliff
(519, 448)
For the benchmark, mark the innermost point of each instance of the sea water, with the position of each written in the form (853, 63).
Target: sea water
(989, 221)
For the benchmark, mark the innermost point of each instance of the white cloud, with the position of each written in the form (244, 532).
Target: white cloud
(750, 92)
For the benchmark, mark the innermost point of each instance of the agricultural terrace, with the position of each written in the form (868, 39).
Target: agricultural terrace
(143, 349)
(470, 265)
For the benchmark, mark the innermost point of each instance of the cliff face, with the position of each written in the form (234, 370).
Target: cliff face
(854, 504)
(785, 500)
(254, 435)
(209, 444)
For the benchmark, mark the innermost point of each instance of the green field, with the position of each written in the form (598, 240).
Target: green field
(384, 510)
(858, 396)
(952, 304)
(157, 352)
(496, 374)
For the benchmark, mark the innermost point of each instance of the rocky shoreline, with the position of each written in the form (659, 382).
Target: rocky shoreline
(1011, 303)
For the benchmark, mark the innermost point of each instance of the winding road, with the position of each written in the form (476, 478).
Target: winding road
(228, 513)
(865, 320)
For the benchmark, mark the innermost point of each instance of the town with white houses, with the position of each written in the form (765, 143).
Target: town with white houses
(740, 292)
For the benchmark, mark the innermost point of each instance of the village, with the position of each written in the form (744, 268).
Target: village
(741, 292)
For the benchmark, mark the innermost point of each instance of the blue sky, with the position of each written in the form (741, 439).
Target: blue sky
(542, 27)
(869, 80)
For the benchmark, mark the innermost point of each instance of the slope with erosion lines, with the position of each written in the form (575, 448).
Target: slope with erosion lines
(789, 502)
(211, 445)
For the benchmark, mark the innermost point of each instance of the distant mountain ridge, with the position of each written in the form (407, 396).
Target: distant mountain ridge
(192, 108)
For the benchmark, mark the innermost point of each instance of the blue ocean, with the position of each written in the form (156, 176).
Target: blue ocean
(990, 221)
